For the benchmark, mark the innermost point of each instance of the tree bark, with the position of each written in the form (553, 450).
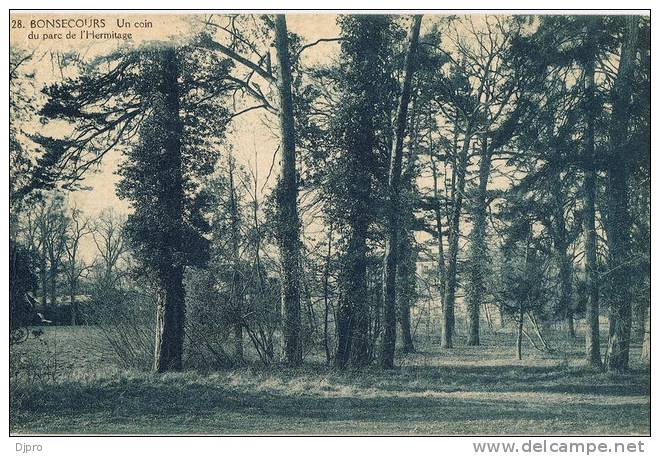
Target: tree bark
(454, 234)
(478, 250)
(519, 337)
(236, 294)
(326, 298)
(406, 277)
(238, 342)
(288, 226)
(74, 304)
(170, 317)
(560, 239)
(618, 347)
(359, 297)
(571, 324)
(442, 268)
(43, 278)
(406, 268)
(52, 281)
(353, 344)
(170, 320)
(646, 344)
(393, 193)
(520, 320)
(343, 330)
(592, 334)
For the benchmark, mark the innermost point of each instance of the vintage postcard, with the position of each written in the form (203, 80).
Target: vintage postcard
(330, 223)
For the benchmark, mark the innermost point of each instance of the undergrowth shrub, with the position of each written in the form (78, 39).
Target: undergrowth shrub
(125, 319)
(207, 328)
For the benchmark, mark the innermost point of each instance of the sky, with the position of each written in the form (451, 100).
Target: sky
(252, 135)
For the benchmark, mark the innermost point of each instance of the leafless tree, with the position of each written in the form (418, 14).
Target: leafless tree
(75, 266)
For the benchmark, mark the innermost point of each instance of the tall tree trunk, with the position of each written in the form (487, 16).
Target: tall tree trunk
(560, 240)
(646, 344)
(171, 309)
(618, 347)
(406, 281)
(454, 234)
(326, 298)
(478, 250)
(238, 342)
(377, 326)
(359, 297)
(169, 323)
(43, 278)
(565, 299)
(393, 194)
(442, 268)
(570, 320)
(520, 320)
(353, 311)
(343, 330)
(288, 226)
(353, 343)
(73, 303)
(406, 268)
(236, 293)
(641, 318)
(52, 281)
(592, 334)
(519, 335)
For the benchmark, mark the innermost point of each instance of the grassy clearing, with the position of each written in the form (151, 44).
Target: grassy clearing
(467, 390)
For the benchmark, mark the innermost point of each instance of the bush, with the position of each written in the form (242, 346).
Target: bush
(126, 320)
(208, 324)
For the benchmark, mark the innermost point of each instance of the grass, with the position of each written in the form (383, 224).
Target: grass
(466, 390)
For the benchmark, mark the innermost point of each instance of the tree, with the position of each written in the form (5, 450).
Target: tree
(459, 97)
(236, 292)
(74, 268)
(150, 101)
(21, 112)
(349, 165)
(459, 165)
(109, 238)
(22, 277)
(593, 44)
(592, 335)
(438, 213)
(406, 286)
(159, 178)
(618, 169)
(502, 105)
(288, 224)
(428, 153)
(522, 288)
(393, 191)
(646, 343)
(551, 141)
(48, 226)
(228, 265)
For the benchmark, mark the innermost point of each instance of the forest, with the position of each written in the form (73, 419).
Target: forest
(396, 224)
